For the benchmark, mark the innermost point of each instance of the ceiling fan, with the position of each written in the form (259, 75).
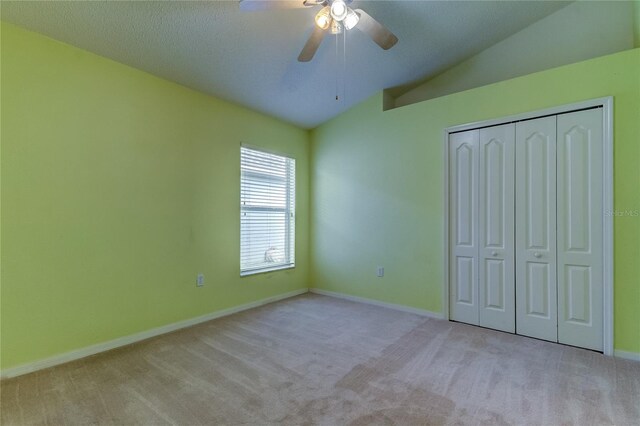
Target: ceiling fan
(334, 17)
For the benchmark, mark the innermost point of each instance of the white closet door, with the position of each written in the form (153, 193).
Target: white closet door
(580, 216)
(463, 221)
(536, 298)
(496, 228)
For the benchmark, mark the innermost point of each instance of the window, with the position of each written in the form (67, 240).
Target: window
(267, 211)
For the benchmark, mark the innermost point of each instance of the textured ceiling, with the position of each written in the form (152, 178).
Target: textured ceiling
(250, 57)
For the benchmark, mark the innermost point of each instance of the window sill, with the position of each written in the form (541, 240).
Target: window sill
(266, 270)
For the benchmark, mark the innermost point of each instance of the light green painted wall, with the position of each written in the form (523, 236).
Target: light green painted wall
(117, 189)
(377, 185)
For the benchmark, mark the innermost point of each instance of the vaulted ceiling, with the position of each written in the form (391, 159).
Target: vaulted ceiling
(250, 58)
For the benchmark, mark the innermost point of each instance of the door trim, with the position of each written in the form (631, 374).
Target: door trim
(606, 104)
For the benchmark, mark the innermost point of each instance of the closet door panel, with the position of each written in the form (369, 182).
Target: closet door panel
(496, 228)
(463, 226)
(580, 218)
(536, 289)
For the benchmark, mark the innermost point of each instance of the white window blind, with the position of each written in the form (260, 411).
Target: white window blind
(267, 211)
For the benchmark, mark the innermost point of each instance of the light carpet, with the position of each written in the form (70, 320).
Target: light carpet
(318, 360)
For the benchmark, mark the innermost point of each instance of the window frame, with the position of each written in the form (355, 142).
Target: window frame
(289, 210)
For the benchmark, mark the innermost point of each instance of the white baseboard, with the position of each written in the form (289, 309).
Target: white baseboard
(127, 340)
(417, 311)
(633, 356)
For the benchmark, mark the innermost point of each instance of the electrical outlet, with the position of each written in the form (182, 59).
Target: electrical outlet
(200, 280)
(380, 271)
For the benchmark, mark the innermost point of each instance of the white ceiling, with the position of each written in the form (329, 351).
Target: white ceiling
(250, 57)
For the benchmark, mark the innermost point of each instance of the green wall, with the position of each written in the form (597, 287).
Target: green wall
(117, 189)
(377, 185)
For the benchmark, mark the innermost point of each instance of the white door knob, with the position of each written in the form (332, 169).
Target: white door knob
(494, 253)
(538, 255)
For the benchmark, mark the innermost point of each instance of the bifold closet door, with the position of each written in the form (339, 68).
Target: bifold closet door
(496, 276)
(463, 223)
(580, 239)
(526, 228)
(536, 286)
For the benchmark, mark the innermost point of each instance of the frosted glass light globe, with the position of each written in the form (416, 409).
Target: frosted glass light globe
(338, 10)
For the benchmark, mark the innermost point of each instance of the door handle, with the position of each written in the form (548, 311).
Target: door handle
(537, 255)
(494, 253)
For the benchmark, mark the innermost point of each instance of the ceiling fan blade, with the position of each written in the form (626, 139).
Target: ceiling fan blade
(312, 44)
(252, 5)
(374, 29)
(310, 3)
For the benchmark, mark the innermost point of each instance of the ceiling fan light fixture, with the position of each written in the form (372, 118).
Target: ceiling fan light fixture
(338, 10)
(323, 18)
(351, 20)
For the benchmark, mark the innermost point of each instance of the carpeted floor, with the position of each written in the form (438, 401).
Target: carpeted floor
(318, 360)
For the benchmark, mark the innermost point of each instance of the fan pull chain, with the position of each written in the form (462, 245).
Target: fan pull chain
(344, 64)
(336, 74)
